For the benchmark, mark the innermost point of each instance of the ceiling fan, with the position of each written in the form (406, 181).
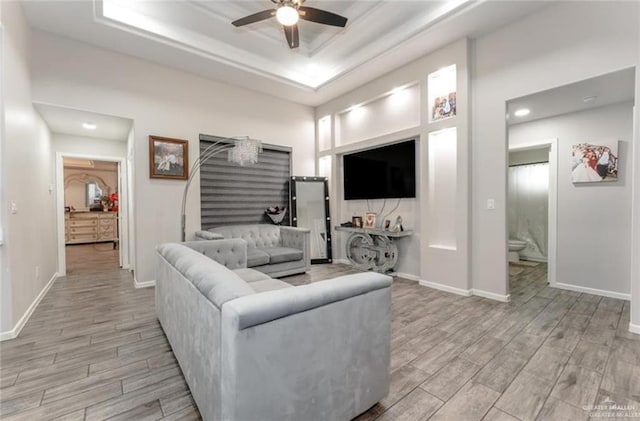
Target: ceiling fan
(288, 12)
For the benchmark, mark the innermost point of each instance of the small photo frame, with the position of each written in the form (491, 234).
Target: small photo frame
(387, 224)
(168, 158)
(370, 220)
(356, 222)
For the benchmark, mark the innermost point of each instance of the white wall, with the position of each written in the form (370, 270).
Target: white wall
(88, 145)
(593, 218)
(442, 267)
(79, 145)
(30, 234)
(531, 55)
(165, 102)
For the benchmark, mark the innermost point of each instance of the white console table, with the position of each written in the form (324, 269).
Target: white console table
(371, 249)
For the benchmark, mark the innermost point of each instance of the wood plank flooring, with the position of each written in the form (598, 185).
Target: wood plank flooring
(94, 350)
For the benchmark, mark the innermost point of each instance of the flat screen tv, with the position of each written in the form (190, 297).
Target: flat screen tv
(388, 172)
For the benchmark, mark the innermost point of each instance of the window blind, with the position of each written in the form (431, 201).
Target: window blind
(231, 194)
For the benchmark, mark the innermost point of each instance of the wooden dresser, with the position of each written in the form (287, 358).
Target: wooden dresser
(90, 227)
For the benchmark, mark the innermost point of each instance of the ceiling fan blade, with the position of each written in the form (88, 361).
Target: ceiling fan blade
(291, 33)
(256, 17)
(321, 16)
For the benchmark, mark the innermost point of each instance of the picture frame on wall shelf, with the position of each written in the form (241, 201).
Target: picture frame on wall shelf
(168, 158)
(370, 220)
(356, 222)
(444, 107)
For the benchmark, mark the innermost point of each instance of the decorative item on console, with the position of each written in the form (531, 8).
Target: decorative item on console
(114, 201)
(370, 220)
(356, 221)
(397, 227)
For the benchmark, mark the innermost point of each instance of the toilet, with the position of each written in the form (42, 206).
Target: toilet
(515, 247)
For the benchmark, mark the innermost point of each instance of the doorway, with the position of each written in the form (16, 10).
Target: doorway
(532, 216)
(591, 123)
(92, 213)
(91, 230)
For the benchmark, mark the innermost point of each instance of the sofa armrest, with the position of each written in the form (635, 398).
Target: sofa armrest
(298, 238)
(207, 235)
(265, 307)
(231, 252)
(323, 350)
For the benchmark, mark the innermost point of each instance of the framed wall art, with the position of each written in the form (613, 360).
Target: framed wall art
(168, 158)
(594, 162)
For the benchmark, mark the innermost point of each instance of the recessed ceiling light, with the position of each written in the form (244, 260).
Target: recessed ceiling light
(522, 112)
(89, 126)
(589, 99)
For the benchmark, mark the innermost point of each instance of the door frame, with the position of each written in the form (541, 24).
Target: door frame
(123, 207)
(552, 234)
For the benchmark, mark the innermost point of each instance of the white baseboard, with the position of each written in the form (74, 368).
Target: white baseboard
(634, 328)
(341, 262)
(594, 291)
(491, 295)
(446, 288)
(408, 276)
(13, 333)
(146, 284)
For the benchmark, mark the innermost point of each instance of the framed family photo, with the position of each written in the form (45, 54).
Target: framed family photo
(168, 158)
(370, 220)
(594, 162)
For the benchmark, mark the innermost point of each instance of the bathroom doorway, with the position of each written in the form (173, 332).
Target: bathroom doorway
(532, 216)
(586, 128)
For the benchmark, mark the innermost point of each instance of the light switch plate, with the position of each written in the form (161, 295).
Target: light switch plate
(14, 208)
(491, 204)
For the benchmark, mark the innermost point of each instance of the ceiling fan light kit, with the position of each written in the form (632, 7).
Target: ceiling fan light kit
(288, 13)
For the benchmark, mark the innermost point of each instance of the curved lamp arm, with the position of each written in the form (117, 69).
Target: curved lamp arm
(228, 144)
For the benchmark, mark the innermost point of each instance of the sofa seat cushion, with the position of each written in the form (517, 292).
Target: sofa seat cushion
(268, 285)
(251, 275)
(282, 254)
(256, 257)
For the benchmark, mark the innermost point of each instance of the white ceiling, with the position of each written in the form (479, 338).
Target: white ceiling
(608, 89)
(197, 36)
(69, 121)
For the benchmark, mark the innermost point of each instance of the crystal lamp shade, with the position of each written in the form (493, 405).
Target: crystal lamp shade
(245, 151)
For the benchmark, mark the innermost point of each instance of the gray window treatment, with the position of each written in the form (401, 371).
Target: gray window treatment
(231, 194)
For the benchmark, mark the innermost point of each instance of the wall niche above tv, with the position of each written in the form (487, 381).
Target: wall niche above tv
(386, 172)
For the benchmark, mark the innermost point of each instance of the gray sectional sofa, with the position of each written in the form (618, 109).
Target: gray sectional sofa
(255, 348)
(271, 249)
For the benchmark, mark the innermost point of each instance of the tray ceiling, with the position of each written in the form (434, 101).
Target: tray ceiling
(197, 36)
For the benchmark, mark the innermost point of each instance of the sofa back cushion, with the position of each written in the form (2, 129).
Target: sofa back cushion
(213, 280)
(231, 253)
(256, 235)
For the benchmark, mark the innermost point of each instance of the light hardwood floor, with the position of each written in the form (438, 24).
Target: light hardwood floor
(93, 349)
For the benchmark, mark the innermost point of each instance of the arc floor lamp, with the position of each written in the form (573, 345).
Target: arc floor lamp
(240, 150)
